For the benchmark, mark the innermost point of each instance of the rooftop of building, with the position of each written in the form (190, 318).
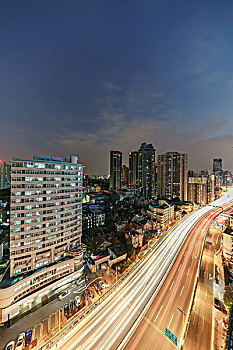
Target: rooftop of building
(50, 159)
(117, 250)
(228, 231)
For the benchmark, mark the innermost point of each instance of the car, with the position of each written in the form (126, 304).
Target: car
(63, 295)
(77, 301)
(19, 345)
(66, 308)
(92, 293)
(96, 287)
(217, 303)
(80, 281)
(71, 304)
(28, 336)
(102, 285)
(10, 345)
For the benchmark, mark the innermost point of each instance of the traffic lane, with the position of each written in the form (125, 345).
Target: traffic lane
(160, 309)
(160, 306)
(181, 236)
(199, 332)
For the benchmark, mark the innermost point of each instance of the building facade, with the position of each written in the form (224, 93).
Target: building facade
(146, 171)
(4, 175)
(197, 190)
(45, 229)
(115, 170)
(133, 171)
(172, 175)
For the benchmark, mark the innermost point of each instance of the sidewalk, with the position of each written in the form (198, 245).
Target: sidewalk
(219, 316)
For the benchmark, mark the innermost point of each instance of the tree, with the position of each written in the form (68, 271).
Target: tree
(228, 296)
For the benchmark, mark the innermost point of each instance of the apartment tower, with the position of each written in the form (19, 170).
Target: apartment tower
(172, 175)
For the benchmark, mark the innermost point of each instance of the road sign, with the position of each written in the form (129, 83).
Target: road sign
(207, 242)
(171, 336)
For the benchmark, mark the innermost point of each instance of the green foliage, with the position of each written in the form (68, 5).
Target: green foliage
(88, 238)
(228, 296)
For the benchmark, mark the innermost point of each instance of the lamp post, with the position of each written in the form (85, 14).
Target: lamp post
(59, 317)
(116, 272)
(183, 325)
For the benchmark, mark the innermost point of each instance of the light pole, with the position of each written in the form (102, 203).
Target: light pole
(116, 272)
(183, 325)
(59, 317)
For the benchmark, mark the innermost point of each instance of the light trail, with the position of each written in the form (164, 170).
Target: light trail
(106, 327)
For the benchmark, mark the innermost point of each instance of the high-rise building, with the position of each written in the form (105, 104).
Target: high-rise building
(45, 231)
(197, 190)
(218, 172)
(115, 170)
(227, 178)
(4, 175)
(125, 177)
(172, 175)
(146, 170)
(133, 171)
(217, 165)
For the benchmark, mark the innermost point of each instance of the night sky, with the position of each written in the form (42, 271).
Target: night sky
(85, 77)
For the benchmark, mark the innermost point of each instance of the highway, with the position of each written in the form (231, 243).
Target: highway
(200, 329)
(115, 319)
(175, 293)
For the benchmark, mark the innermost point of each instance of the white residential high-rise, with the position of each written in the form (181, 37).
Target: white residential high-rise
(45, 230)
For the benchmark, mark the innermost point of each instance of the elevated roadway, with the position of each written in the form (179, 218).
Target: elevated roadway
(161, 284)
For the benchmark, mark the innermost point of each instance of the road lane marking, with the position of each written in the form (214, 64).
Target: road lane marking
(217, 240)
(205, 294)
(203, 321)
(179, 267)
(188, 271)
(182, 291)
(170, 321)
(158, 313)
(172, 285)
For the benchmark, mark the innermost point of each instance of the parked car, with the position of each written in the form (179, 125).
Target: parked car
(77, 301)
(92, 293)
(66, 309)
(96, 287)
(102, 285)
(217, 303)
(80, 281)
(10, 345)
(72, 304)
(28, 336)
(64, 294)
(20, 342)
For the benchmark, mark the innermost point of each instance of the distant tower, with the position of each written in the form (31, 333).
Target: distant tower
(217, 165)
(218, 172)
(172, 175)
(146, 171)
(133, 171)
(115, 170)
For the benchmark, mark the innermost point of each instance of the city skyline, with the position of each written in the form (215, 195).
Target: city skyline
(87, 78)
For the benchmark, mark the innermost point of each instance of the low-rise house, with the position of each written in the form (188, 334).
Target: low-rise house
(228, 244)
(135, 237)
(116, 254)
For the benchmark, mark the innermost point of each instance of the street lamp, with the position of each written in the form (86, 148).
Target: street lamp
(116, 272)
(59, 317)
(183, 322)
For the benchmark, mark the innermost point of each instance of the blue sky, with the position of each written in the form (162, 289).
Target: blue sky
(87, 77)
